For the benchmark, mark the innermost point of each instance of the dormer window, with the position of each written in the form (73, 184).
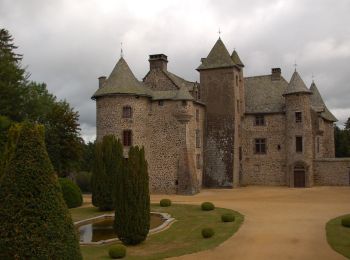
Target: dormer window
(298, 117)
(127, 112)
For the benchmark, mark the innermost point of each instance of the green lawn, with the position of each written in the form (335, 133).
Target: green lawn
(338, 236)
(183, 237)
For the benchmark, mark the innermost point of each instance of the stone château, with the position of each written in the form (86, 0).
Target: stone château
(226, 131)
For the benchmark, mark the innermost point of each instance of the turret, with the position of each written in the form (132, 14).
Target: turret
(221, 79)
(299, 138)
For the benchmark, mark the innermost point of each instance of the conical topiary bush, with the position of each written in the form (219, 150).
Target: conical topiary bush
(34, 220)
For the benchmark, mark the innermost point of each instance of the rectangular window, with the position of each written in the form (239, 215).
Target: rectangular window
(127, 137)
(260, 145)
(184, 103)
(299, 144)
(198, 138)
(198, 161)
(259, 120)
(160, 103)
(298, 117)
(127, 112)
(197, 115)
(318, 144)
(237, 106)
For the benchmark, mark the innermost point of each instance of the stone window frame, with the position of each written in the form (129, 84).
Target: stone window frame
(298, 117)
(259, 120)
(161, 103)
(127, 111)
(127, 137)
(260, 146)
(198, 161)
(317, 144)
(198, 138)
(299, 145)
(197, 115)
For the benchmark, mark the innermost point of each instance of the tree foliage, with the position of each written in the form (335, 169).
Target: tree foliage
(107, 165)
(35, 222)
(342, 140)
(132, 200)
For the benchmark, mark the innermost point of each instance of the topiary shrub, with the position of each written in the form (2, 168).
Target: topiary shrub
(71, 193)
(228, 217)
(207, 232)
(107, 164)
(165, 203)
(346, 222)
(207, 206)
(35, 221)
(132, 202)
(117, 251)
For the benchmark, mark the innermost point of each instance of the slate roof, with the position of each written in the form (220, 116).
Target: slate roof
(218, 57)
(263, 95)
(318, 104)
(235, 58)
(122, 81)
(296, 85)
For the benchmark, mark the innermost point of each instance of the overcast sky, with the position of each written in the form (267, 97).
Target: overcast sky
(68, 44)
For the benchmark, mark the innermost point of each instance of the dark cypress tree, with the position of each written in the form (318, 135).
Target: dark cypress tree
(35, 221)
(132, 213)
(108, 160)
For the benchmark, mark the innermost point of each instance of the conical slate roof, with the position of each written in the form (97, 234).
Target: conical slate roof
(235, 58)
(318, 104)
(122, 81)
(296, 85)
(218, 57)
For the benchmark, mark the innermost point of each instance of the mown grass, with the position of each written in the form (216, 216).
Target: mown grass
(338, 236)
(183, 236)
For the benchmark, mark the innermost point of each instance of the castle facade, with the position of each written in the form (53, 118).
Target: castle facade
(226, 131)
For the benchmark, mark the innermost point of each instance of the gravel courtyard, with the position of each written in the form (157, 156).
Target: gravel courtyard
(280, 222)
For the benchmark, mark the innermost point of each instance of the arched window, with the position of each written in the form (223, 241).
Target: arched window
(127, 138)
(127, 112)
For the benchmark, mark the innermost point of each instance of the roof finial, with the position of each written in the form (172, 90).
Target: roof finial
(313, 77)
(295, 65)
(121, 50)
(219, 32)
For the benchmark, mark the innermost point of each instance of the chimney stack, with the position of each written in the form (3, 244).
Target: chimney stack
(158, 61)
(276, 74)
(101, 80)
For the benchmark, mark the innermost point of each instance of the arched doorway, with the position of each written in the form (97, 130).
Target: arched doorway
(299, 176)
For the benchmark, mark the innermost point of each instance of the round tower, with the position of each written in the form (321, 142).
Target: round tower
(299, 139)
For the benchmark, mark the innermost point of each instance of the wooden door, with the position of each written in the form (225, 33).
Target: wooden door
(299, 178)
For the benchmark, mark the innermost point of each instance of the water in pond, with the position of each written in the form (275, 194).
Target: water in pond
(103, 229)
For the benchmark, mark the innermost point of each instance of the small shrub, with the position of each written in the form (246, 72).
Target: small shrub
(228, 217)
(71, 193)
(165, 203)
(207, 232)
(117, 251)
(346, 222)
(206, 206)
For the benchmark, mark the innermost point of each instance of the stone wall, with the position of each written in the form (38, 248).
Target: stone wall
(328, 140)
(157, 80)
(332, 171)
(269, 168)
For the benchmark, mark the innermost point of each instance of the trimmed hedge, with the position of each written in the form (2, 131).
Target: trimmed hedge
(228, 217)
(346, 222)
(71, 193)
(117, 251)
(35, 221)
(165, 203)
(207, 232)
(207, 206)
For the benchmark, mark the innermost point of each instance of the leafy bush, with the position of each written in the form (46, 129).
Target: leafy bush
(165, 203)
(228, 217)
(83, 180)
(207, 232)
(35, 221)
(117, 251)
(132, 201)
(207, 206)
(71, 193)
(346, 222)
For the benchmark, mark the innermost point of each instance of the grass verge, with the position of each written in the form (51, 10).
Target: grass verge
(338, 236)
(183, 237)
